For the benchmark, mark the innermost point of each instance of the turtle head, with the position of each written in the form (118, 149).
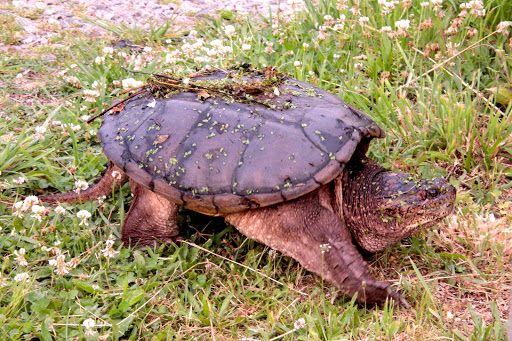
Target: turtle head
(382, 207)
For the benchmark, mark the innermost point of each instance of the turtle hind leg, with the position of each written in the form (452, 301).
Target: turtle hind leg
(151, 219)
(308, 230)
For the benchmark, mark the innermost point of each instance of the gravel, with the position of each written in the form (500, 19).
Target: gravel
(41, 21)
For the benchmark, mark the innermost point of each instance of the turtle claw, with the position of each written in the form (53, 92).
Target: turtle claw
(399, 299)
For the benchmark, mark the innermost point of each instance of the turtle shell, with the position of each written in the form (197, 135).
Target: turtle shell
(217, 155)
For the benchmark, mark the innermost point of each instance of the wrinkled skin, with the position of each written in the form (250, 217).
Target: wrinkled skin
(366, 203)
(381, 207)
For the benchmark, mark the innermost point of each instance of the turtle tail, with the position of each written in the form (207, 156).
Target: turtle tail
(108, 182)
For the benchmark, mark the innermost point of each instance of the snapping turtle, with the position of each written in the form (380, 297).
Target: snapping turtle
(282, 161)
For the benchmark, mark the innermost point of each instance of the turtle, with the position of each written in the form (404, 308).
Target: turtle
(281, 160)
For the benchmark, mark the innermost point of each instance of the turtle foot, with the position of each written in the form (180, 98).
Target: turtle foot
(151, 220)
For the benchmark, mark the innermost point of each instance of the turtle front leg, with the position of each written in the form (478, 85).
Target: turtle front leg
(309, 231)
(152, 219)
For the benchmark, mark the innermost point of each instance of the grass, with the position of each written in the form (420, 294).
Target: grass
(432, 89)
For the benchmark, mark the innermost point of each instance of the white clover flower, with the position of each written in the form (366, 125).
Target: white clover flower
(28, 202)
(297, 63)
(226, 50)
(61, 267)
(246, 47)
(211, 52)
(83, 215)
(148, 49)
(17, 209)
(437, 4)
(336, 56)
(477, 8)
(116, 175)
(38, 211)
(130, 83)
(272, 254)
(502, 27)
(269, 49)
(296, 5)
(19, 180)
(325, 247)
(358, 66)
(425, 4)
(75, 127)
(192, 33)
(90, 95)
(363, 20)
(60, 210)
(229, 30)
(85, 117)
(402, 26)
(386, 29)
(338, 27)
(321, 35)
(356, 10)
(80, 185)
(216, 43)
(89, 324)
(20, 257)
(101, 200)
(99, 60)
(300, 323)
(108, 50)
(74, 81)
(305, 46)
(109, 252)
(22, 277)
(39, 132)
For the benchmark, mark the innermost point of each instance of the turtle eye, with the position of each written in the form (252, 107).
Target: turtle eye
(433, 192)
